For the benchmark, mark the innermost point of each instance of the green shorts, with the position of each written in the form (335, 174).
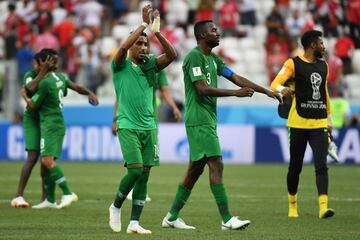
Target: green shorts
(139, 146)
(203, 142)
(51, 144)
(31, 133)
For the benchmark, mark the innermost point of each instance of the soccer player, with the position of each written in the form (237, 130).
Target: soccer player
(309, 117)
(31, 127)
(48, 101)
(201, 67)
(162, 85)
(134, 79)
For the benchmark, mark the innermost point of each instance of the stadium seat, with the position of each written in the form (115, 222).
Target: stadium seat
(120, 31)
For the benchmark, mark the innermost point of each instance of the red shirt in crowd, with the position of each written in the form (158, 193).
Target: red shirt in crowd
(343, 46)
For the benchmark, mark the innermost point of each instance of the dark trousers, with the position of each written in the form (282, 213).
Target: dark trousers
(318, 140)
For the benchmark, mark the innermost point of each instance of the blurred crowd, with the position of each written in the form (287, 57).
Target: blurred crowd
(86, 33)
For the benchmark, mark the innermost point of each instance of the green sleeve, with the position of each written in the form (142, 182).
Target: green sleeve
(194, 67)
(115, 67)
(28, 77)
(162, 78)
(40, 94)
(220, 64)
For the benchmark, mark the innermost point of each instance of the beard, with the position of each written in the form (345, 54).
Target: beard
(318, 54)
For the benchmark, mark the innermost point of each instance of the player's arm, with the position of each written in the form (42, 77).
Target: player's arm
(287, 72)
(121, 54)
(38, 98)
(203, 89)
(168, 98)
(113, 125)
(165, 59)
(45, 66)
(93, 100)
(244, 82)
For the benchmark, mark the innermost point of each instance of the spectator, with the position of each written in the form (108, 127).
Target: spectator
(329, 12)
(275, 58)
(274, 22)
(46, 39)
(247, 12)
(59, 13)
(352, 8)
(335, 72)
(343, 49)
(205, 10)
(295, 24)
(24, 58)
(228, 18)
(193, 6)
(90, 13)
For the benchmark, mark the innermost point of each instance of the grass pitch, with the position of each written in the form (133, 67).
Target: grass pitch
(255, 192)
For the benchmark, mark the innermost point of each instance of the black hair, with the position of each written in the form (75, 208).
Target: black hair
(309, 37)
(44, 53)
(200, 27)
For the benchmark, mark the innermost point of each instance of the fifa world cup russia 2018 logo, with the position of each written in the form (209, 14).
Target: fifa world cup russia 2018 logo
(315, 80)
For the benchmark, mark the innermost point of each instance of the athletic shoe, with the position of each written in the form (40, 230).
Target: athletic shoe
(129, 196)
(19, 202)
(332, 151)
(293, 212)
(235, 224)
(45, 204)
(134, 227)
(178, 223)
(66, 200)
(115, 218)
(326, 213)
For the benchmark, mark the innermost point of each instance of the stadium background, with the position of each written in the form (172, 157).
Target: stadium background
(250, 130)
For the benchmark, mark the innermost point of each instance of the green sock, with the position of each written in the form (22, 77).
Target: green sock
(57, 176)
(49, 188)
(126, 184)
(181, 197)
(139, 196)
(219, 193)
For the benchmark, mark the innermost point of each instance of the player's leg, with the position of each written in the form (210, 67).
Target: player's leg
(19, 201)
(216, 168)
(32, 144)
(138, 202)
(43, 172)
(131, 150)
(318, 141)
(297, 141)
(194, 171)
(150, 158)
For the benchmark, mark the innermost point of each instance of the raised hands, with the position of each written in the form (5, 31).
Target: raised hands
(146, 14)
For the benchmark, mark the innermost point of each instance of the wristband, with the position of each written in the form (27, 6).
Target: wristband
(144, 24)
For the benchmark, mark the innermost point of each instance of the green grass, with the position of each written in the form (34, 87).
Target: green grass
(256, 192)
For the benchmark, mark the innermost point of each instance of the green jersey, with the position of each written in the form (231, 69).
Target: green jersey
(28, 77)
(134, 94)
(200, 110)
(48, 98)
(161, 80)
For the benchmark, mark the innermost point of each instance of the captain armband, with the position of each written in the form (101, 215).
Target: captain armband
(226, 72)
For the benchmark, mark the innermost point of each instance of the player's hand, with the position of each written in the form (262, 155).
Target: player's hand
(113, 128)
(244, 92)
(155, 26)
(93, 100)
(287, 91)
(177, 114)
(275, 96)
(146, 13)
(47, 64)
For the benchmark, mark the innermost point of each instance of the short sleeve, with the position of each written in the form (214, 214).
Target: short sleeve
(116, 67)
(194, 67)
(40, 94)
(162, 78)
(220, 64)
